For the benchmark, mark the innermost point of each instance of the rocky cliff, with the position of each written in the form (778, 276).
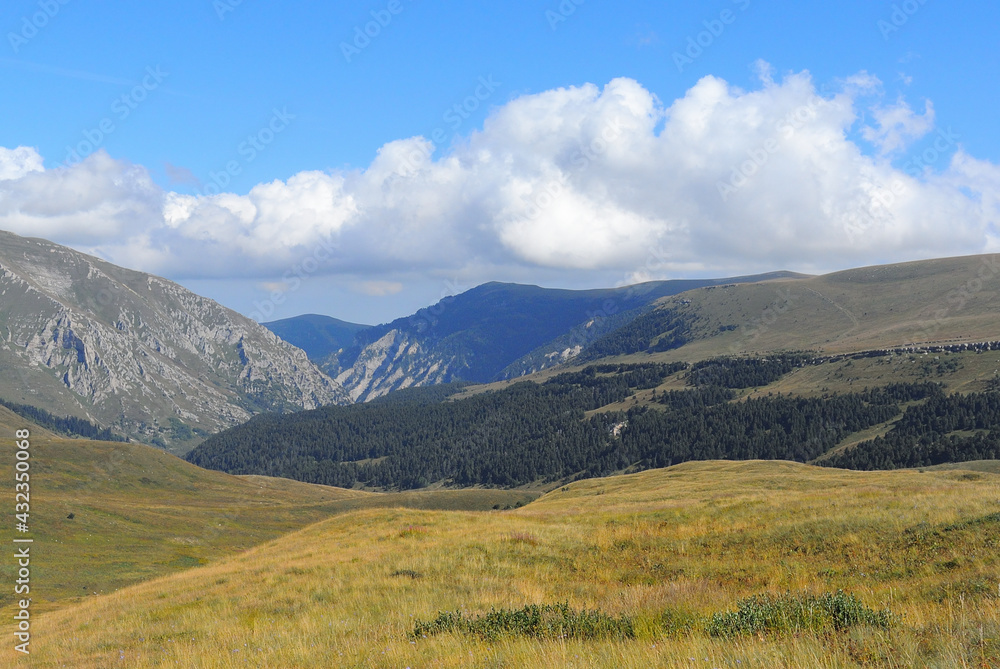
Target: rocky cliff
(125, 349)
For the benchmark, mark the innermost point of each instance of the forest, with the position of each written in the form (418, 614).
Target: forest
(69, 426)
(533, 432)
(657, 330)
(946, 428)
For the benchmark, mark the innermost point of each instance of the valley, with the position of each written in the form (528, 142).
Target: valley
(660, 464)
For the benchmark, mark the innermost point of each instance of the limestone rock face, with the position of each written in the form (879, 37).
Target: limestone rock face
(130, 350)
(395, 361)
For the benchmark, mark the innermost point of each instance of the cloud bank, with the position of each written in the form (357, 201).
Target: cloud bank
(578, 178)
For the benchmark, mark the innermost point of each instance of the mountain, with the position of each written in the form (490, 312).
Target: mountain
(870, 360)
(943, 301)
(139, 353)
(495, 331)
(319, 336)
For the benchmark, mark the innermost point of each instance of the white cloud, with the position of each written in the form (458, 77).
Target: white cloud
(898, 126)
(96, 200)
(16, 163)
(577, 178)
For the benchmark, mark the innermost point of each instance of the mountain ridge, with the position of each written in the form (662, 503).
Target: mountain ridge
(317, 335)
(137, 352)
(496, 330)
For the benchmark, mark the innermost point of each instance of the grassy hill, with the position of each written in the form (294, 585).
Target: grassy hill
(930, 301)
(138, 512)
(665, 550)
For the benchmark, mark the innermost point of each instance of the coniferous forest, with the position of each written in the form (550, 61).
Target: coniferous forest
(946, 428)
(69, 426)
(532, 432)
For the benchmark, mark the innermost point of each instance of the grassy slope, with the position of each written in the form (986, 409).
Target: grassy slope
(950, 300)
(141, 513)
(933, 301)
(695, 537)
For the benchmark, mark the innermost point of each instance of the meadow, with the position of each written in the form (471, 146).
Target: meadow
(108, 515)
(665, 549)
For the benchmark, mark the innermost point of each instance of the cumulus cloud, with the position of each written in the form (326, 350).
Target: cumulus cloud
(898, 126)
(16, 163)
(97, 200)
(572, 179)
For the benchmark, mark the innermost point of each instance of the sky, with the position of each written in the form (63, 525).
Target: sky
(365, 159)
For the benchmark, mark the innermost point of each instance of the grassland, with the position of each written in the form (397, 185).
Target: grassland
(110, 514)
(935, 301)
(659, 546)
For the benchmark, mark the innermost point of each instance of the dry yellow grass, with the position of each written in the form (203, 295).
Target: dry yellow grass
(138, 513)
(696, 537)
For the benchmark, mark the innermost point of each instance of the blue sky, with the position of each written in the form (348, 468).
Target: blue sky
(198, 99)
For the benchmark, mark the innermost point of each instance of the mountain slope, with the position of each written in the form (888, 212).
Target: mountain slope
(318, 336)
(942, 301)
(608, 416)
(131, 350)
(495, 330)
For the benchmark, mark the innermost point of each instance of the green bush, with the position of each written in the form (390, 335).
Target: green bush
(548, 621)
(788, 613)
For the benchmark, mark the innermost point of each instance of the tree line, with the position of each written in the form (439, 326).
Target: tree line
(531, 432)
(946, 428)
(69, 426)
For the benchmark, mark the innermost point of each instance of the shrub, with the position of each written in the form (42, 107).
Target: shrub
(769, 614)
(547, 621)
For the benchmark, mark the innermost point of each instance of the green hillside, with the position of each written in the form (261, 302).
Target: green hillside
(945, 301)
(612, 418)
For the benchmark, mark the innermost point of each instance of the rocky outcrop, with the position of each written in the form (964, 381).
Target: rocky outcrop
(130, 350)
(395, 361)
